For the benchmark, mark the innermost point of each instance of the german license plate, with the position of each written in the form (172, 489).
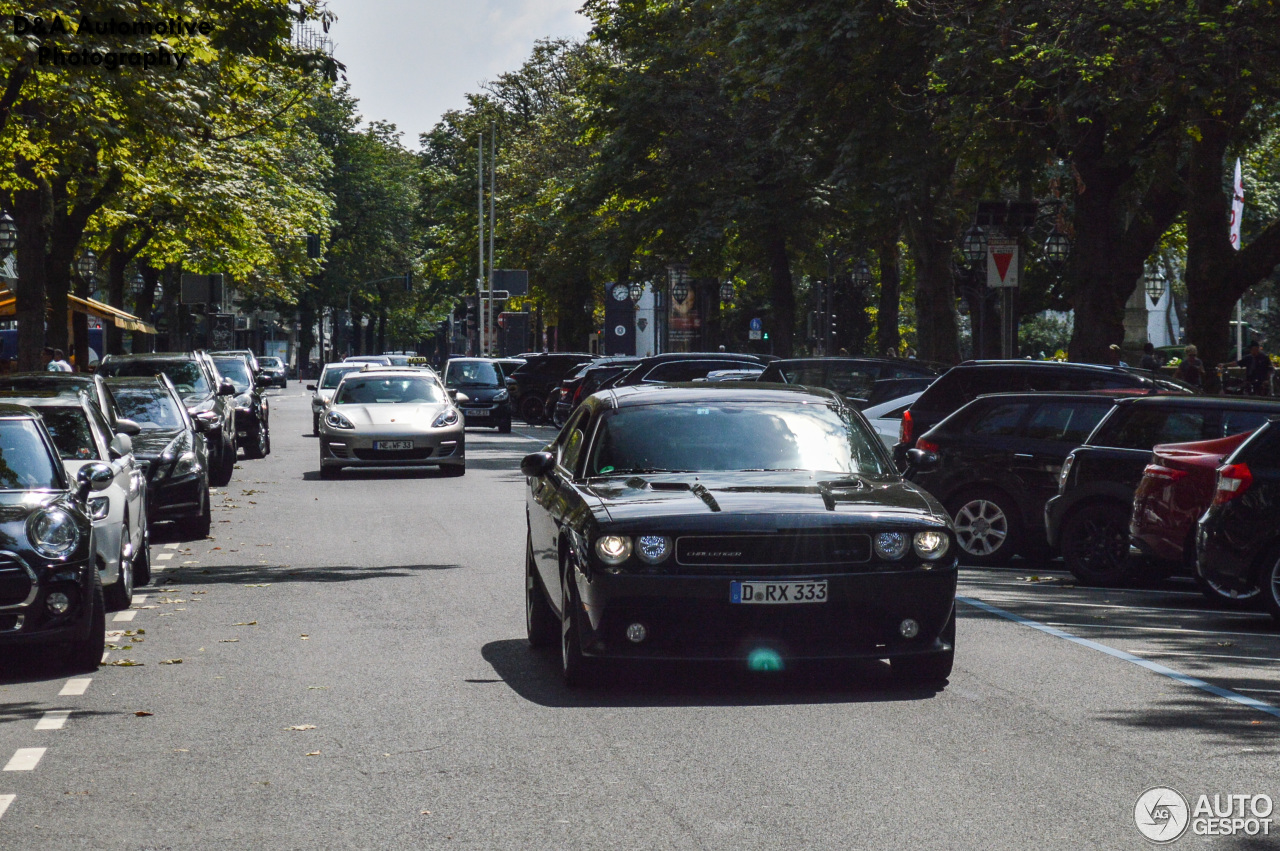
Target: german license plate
(476, 412)
(393, 444)
(777, 593)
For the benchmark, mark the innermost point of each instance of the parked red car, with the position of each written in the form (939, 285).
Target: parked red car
(1176, 488)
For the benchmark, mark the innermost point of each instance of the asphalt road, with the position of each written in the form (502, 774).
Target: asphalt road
(347, 669)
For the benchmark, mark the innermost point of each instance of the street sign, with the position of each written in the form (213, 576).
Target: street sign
(515, 281)
(1002, 262)
(757, 324)
(754, 334)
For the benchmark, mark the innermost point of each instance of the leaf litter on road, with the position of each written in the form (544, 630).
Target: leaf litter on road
(300, 727)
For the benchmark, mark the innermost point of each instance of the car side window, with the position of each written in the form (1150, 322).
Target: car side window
(810, 374)
(1000, 420)
(102, 429)
(569, 445)
(685, 370)
(849, 380)
(1235, 422)
(1148, 426)
(1065, 422)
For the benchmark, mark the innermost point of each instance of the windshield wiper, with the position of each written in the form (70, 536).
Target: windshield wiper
(634, 470)
(774, 470)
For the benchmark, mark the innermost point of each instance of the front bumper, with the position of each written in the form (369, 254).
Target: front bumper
(1053, 519)
(691, 617)
(439, 447)
(485, 413)
(31, 622)
(176, 499)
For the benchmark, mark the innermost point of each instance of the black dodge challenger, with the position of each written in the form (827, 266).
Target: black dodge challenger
(758, 523)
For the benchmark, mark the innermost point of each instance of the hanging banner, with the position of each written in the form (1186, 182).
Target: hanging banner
(1237, 206)
(1002, 262)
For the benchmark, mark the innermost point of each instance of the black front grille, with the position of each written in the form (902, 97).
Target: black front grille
(392, 454)
(15, 582)
(796, 550)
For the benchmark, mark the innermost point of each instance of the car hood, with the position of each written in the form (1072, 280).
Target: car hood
(685, 495)
(398, 413)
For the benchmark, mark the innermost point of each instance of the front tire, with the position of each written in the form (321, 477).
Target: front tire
(531, 410)
(226, 464)
(988, 527)
(1269, 582)
(1095, 544)
(197, 528)
(118, 596)
(1226, 597)
(142, 562)
(86, 654)
(574, 667)
(539, 619)
(259, 444)
(315, 425)
(504, 427)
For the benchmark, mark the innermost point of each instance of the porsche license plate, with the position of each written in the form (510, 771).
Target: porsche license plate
(393, 444)
(778, 593)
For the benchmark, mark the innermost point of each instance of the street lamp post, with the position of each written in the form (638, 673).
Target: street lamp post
(87, 265)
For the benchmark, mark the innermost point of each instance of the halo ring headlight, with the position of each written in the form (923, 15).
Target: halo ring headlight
(891, 546)
(653, 549)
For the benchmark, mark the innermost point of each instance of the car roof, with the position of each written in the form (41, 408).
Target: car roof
(44, 401)
(1048, 364)
(1072, 395)
(677, 356)
(12, 410)
(1183, 401)
(911, 362)
(345, 364)
(872, 412)
(622, 397)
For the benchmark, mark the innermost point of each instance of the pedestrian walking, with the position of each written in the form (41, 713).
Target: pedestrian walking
(1257, 370)
(1191, 370)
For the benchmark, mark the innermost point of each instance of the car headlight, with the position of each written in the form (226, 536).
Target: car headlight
(613, 549)
(891, 545)
(501, 396)
(99, 507)
(1065, 473)
(244, 402)
(185, 465)
(653, 549)
(931, 544)
(335, 419)
(53, 533)
(447, 418)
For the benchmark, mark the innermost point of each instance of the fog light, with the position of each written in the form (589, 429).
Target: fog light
(637, 633)
(58, 603)
(909, 628)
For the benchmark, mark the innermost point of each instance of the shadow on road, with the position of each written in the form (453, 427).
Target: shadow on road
(535, 676)
(1223, 722)
(250, 574)
(357, 474)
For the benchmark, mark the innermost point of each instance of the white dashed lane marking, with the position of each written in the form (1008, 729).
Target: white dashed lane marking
(138, 599)
(164, 556)
(76, 687)
(170, 546)
(125, 616)
(54, 719)
(5, 801)
(25, 759)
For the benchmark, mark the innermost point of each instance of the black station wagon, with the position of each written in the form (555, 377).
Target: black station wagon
(758, 524)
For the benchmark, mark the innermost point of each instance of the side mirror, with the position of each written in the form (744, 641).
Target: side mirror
(537, 464)
(262, 380)
(453, 393)
(201, 425)
(93, 478)
(121, 445)
(129, 427)
(311, 387)
(919, 461)
(226, 388)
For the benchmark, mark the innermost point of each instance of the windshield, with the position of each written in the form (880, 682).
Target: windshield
(333, 375)
(273, 363)
(236, 371)
(381, 391)
(69, 428)
(187, 377)
(25, 462)
(474, 373)
(59, 386)
(153, 410)
(715, 436)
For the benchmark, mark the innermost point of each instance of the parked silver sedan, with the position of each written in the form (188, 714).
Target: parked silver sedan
(391, 418)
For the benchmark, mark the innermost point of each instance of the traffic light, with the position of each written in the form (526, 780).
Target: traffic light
(766, 335)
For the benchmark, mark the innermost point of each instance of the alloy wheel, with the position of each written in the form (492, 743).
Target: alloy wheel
(981, 527)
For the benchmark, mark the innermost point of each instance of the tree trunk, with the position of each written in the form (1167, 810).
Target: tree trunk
(31, 217)
(144, 307)
(887, 336)
(112, 334)
(171, 289)
(79, 322)
(306, 337)
(782, 294)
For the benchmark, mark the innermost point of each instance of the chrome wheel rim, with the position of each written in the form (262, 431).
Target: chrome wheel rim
(981, 527)
(1233, 594)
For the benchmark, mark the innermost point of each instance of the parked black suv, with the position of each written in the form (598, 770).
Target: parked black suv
(533, 382)
(1238, 539)
(854, 378)
(997, 464)
(585, 380)
(253, 412)
(208, 398)
(1090, 515)
(971, 379)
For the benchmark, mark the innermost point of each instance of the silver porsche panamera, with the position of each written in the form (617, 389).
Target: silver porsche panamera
(391, 418)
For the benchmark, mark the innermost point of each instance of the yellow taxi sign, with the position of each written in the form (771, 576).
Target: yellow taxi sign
(416, 361)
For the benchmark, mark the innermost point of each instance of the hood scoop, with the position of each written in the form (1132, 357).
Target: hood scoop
(833, 489)
(670, 487)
